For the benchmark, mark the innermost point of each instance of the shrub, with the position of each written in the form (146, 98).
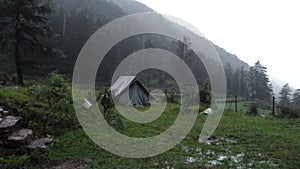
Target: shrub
(171, 98)
(57, 95)
(288, 112)
(6, 80)
(253, 109)
(205, 93)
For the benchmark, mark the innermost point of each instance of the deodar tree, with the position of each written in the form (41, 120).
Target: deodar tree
(259, 84)
(296, 99)
(23, 25)
(285, 95)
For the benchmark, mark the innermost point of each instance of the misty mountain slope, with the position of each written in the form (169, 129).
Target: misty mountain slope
(228, 58)
(105, 10)
(132, 7)
(108, 10)
(82, 17)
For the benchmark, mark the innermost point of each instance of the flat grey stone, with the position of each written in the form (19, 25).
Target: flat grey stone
(40, 143)
(21, 135)
(9, 121)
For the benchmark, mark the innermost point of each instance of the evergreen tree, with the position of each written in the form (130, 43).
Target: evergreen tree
(229, 79)
(243, 83)
(296, 98)
(258, 83)
(239, 82)
(285, 94)
(23, 24)
(236, 82)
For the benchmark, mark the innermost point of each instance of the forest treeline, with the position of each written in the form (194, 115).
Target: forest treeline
(39, 36)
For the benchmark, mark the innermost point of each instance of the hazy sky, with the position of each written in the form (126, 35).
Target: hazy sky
(265, 30)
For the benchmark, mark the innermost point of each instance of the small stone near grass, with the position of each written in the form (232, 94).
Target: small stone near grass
(21, 135)
(18, 138)
(191, 160)
(208, 111)
(40, 143)
(7, 123)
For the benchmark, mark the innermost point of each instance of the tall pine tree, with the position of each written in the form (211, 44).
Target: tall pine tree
(296, 98)
(258, 83)
(285, 95)
(23, 24)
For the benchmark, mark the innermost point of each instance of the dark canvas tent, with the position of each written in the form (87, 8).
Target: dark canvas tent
(138, 95)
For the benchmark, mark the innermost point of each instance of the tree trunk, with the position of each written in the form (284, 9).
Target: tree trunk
(18, 61)
(18, 58)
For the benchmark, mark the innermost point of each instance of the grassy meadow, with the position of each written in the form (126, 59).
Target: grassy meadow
(240, 141)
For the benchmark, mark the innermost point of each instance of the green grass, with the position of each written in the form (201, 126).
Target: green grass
(247, 141)
(243, 107)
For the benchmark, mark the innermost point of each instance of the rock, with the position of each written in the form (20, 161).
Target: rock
(40, 143)
(8, 123)
(207, 111)
(71, 165)
(21, 135)
(19, 138)
(1, 113)
(209, 140)
(87, 105)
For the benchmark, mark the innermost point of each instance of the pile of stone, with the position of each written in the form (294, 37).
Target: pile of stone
(13, 136)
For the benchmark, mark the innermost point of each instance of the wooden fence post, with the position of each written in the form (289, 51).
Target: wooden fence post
(236, 101)
(273, 110)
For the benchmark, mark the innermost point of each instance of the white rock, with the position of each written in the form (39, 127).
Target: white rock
(207, 111)
(191, 160)
(241, 155)
(9, 121)
(214, 162)
(87, 105)
(221, 158)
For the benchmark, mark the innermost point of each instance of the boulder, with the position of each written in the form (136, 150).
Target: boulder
(19, 138)
(40, 143)
(21, 135)
(8, 123)
(207, 111)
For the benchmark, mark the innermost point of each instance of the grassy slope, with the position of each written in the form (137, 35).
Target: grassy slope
(246, 142)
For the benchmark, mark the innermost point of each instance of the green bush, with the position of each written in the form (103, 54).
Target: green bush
(171, 98)
(46, 108)
(7, 80)
(56, 93)
(288, 112)
(205, 93)
(253, 109)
